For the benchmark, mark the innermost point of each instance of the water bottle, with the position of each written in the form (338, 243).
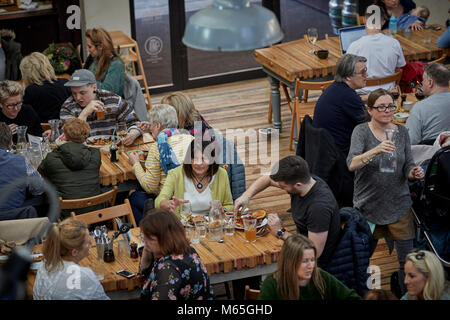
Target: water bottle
(388, 161)
(393, 24)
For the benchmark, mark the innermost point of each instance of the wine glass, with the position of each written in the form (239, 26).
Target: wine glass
(186, 212)
(122, 133)
(312, 35)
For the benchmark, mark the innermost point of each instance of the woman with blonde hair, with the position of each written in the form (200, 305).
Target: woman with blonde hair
(424, 277)
(14, 112)
(104, 61)
(187, 114)
(299, 278)
(61, 277)
(44, 91)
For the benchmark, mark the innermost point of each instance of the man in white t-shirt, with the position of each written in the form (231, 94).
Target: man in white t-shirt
(383, 53)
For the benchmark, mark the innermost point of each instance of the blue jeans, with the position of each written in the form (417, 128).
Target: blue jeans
(137, 201)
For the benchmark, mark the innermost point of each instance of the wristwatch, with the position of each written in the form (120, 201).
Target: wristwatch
(280, 233)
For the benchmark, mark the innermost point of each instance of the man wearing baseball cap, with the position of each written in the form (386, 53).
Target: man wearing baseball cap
(100, 108)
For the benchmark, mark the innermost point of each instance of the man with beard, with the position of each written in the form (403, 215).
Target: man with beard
(314, 208)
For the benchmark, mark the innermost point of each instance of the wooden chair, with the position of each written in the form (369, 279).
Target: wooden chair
(379, 81)
(360, 20)
(439, 60)
(109, 196)
(107, 214)
(251, 294)
(300, 108)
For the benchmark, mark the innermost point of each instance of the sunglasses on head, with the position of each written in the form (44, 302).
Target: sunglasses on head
(418, 254)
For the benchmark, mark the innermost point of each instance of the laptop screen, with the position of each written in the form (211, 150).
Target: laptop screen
(350, 34)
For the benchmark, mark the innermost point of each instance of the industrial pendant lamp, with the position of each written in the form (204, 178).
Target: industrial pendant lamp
(232, 25)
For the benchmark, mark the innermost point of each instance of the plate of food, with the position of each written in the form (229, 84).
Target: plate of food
(261, 221)
(101, 141)
(195, 219)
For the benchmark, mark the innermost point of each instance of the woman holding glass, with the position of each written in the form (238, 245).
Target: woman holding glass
(383, 197)
(199, 181)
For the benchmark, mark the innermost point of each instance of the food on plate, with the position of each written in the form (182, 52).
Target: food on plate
(198, 219)
(99, 141)
(38, 257)
(259, 215)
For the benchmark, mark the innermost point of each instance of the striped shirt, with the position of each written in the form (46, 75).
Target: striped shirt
(116, 110)
(153, 178)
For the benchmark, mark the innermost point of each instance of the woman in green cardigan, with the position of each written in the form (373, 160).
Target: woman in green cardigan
(106, 65)
(198, 181)
(299, 278)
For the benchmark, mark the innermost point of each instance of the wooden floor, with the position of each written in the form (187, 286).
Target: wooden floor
(244, 105)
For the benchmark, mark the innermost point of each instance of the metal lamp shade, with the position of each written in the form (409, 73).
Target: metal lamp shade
(229, 25)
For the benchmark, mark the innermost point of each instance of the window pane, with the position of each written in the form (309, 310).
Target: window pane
(153, 38)
(207, 63)
(298, 15)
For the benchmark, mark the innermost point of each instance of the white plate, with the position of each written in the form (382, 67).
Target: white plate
(3, 258)
(93, 138)
(262, 224)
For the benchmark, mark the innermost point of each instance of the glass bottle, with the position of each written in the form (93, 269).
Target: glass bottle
(21, 145)
(388, 161)
(215, 223)
(114, 150)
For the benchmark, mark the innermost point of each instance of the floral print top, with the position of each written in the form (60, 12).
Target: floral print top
(178, 277)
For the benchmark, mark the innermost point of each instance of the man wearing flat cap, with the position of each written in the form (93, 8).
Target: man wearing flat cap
(103, 110)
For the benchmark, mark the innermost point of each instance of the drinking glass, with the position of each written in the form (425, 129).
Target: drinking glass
(99, 267)
(312, 35)
(193, 234)
(186, 212)
(122, 133)
(388, 161)
(34, 155)
(201, 227)
(229, 224)
(250, 228)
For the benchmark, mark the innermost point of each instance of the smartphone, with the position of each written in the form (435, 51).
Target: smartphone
(125, 273)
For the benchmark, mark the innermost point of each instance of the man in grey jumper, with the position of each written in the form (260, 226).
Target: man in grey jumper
(431, 116)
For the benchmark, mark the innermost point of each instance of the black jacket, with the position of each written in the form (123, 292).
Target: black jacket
(326, 160)
(351, 257)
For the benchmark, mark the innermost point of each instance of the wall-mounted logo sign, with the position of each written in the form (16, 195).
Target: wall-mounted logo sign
(153, 46)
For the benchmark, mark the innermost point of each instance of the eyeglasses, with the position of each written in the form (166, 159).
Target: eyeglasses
(383, 108)
(362, 72)
(14, 105)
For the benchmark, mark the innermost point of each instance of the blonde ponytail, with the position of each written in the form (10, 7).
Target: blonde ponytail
(61, 240)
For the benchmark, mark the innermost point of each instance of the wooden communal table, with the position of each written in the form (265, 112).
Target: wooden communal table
(233, 259)
(113, 173)
(293, 60)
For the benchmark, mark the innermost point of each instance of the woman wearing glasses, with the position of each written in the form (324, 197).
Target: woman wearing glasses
(425, 278)
(383, 197)
(14, 112)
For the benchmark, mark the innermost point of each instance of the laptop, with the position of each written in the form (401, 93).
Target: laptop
(350, 34)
